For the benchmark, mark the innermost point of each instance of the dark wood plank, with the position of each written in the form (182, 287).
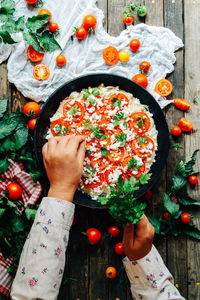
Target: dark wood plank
(176, 249)
(192, 142)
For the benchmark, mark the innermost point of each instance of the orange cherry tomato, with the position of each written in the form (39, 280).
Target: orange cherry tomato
(31, 124)
(185, 125)
(111, 272)
(141, 79)
(34, 55)
(41, 72)
(31, 109)
(45, 12)
(163, 87)
(111, 55)
(81, 33)
(135, 45)
(181, 103)
(53, 27)
(176, 131)
(116, 155)
(60, 127)
(140, 122)
(122, 99)
(15, 191)
(75, 109)
(144, 67)
(61, 60)
(128, 20)
(89, 22)
(145, 149)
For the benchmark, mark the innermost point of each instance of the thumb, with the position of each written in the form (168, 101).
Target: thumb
(81, 152)
(128, 236)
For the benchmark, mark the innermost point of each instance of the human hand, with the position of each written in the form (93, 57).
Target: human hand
(138, 244)
(63, 160)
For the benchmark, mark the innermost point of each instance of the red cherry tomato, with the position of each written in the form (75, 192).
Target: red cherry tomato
(144, 67)
(128, 20)
(185, 218)
(34, 55)
(176, 131)
(135, 45)
(111, 272)
(94, 236)
(31, 109)
(147, 196)
(193, 179)
(15, 191)
(119, 249)
(114, 231)
(89, 22)
(81, 33)
(181, 103)
(31, 1)
(53, 27)
(166, 215)
(61, 60)
(141, 79)
(31, 124)
(174, 198)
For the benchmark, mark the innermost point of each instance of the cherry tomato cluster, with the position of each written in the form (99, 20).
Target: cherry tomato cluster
(89, 25)
(183, 126)
(31, 109)
(128, 18)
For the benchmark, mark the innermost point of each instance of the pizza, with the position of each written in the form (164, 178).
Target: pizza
(121, 136)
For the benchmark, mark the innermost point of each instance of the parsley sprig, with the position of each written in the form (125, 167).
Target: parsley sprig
(122, 139)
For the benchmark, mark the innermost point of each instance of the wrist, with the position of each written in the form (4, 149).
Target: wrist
(60, 193)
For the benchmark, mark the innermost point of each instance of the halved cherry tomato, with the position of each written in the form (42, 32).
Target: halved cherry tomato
(53, 27)
(31, 109)
(31, 1)
(98, 180)
(111, 272)
(181, 103)
(81, 33)
(61, 60)
(41, 72)
(141, 79)
(74, 109)
(15, 191)
(132, 172)
(34, 55)
(111, 55)
(135, 45)
(113, 231)
(140, 122)
(45, 12)
(163, 87)
(128, 20)
(176, 131)
(94, 236)
(185, 125)
(193, 179)
(31, 124)
(145, 149)
(89, 22)
(144, 67)
(111, 171)
(60, 127)
(102, 163)
(119, 249)
(116, 155)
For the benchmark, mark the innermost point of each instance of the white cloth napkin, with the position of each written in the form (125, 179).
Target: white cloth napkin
(158, 45)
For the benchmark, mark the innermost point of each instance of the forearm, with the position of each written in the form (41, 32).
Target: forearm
(42, 260)
(150, 278)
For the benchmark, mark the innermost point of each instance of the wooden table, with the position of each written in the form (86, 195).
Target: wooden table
(85, 264)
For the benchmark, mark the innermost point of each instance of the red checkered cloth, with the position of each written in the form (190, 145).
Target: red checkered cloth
(31, 193)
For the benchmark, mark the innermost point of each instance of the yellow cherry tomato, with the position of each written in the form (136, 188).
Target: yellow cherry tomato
(124, 56)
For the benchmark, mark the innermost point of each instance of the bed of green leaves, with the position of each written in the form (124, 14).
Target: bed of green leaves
(174, 225)
(34, 30)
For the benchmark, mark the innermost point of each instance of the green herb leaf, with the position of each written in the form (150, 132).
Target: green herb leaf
(32, 40)
(133, 163)
(190, 162)
(178, 182)
(6, 37)
(155, 222)
(192, 231)
(87, 152)
(88, 167)
(144, 178)
(4, 164)
(181, 168)
(121, 137)
(120, 115)
(17, 224)
(98, 133)
(184, 199)
(20, 137)
(178, 146)
(125, 124)
(73, 111)
(141, 140)
(104, 152)
(48, 41)
(36, 22)
(30, 213)
(170, 205)
(7, 9)
(2, 211)
(3, 106)
(116, 102)
(95, 92)
(13, 26)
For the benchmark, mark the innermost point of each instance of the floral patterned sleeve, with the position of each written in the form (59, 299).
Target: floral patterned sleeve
(150, 279)
(42, 260)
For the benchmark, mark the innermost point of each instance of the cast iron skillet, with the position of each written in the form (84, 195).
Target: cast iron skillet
(94, 80)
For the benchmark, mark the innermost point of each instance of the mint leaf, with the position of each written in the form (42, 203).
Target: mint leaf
(36, 22)
(155, 222)
(6, 37)
(178, 182)
(187, 200)
(3, 106)
(192, 231)
(181, 168)
(20, 137)
(13, 26)
(104, 152)
(190, 162)
(5, 145)
(7, 10)
(170, 205)
(32, 40)
(4, 164)
(48, 41)
(8, 124)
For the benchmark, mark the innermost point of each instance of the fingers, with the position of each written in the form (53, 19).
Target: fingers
(51, 146)
(74, 143)
(81, 152)
(128, 236)
(145, 229)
